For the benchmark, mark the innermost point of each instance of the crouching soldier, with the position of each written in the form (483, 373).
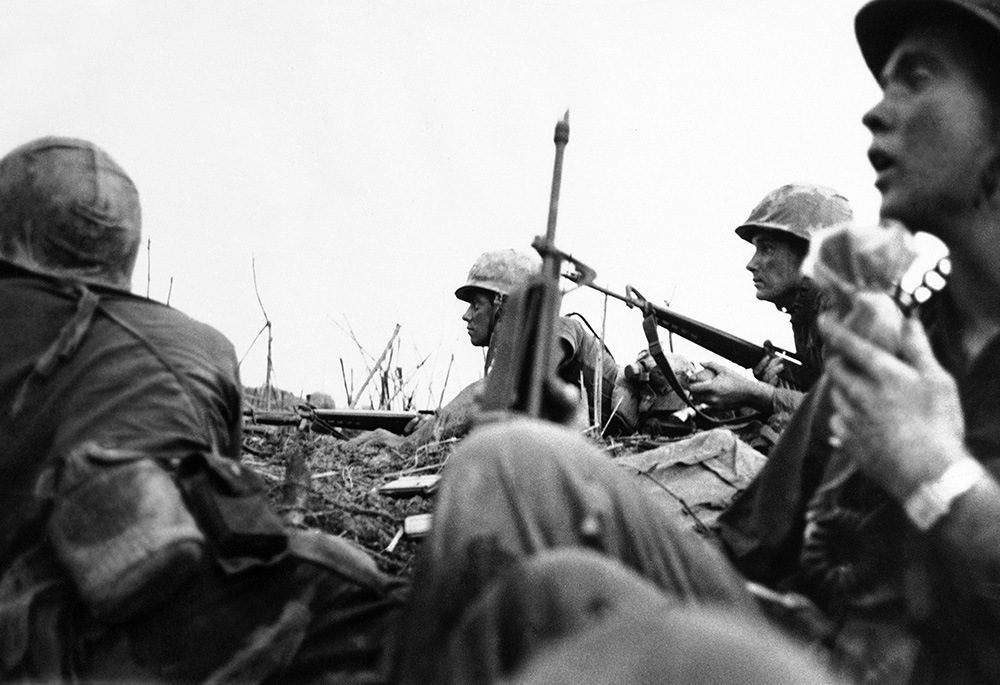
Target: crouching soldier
(133, 545)
(490, 281)
(780, 228)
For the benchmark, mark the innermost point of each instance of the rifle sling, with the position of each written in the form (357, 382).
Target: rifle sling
(650, 328)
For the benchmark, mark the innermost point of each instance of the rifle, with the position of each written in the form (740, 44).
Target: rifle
(522, 378)
(329, 420)
(726, 345)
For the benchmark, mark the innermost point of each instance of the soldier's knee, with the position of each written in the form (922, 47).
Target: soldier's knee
(518, 442)
(593, 583)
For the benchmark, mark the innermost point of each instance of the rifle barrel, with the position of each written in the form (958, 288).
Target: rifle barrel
(392, 421)
(727, 345)
(361, 419)
(551, 263)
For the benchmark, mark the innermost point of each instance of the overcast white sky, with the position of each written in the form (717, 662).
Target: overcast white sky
(364, 153)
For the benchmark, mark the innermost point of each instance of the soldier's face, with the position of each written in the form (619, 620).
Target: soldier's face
(933, 137)
(775, 267)
(478, 318)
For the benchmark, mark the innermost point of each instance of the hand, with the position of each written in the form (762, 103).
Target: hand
(768, 369)
(728, 389)
(899, 418)
(416, 422)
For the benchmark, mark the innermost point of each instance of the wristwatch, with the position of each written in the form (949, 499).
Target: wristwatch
(933, 500)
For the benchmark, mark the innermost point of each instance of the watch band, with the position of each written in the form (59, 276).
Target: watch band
(933, 500)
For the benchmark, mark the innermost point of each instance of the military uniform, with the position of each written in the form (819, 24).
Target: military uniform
(133, 545)
(579, 363)
(845, 543)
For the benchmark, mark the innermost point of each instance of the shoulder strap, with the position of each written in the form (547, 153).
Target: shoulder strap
(62, 348)
(650, 328)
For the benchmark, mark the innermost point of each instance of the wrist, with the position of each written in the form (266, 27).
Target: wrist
(933, 499)
(763, 397)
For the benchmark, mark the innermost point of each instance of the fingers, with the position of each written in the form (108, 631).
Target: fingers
(762, 365)
(700, 387)
(837, 425)
(839, 340)
(758, 370)
(774, 373)
(916, 346)
(843, 408)
(769, 373)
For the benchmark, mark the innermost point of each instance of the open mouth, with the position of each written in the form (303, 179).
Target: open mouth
(880, 161)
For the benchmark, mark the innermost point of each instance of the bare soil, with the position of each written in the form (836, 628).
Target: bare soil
(343, 496)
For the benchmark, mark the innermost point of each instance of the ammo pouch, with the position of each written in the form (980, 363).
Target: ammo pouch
(122, 531)
(230, 504)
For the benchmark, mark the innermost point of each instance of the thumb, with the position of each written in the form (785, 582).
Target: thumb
(713, 366)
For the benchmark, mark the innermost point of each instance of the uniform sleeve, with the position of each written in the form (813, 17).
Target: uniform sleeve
(968, 537)
(570, 332)
(233, 393)
(786, 400)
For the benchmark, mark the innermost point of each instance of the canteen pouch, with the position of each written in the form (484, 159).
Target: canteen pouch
(122, 531)
(230, 504)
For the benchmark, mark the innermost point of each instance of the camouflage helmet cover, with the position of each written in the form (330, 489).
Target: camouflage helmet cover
(881, 24)
(498, 271)
(67, 209)
(798, 209)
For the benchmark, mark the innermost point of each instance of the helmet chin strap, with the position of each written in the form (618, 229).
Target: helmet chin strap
(498, 300)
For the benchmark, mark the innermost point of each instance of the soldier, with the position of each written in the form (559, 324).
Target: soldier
(491, 280)
(133, 545)
(895, 539)
(780, 228)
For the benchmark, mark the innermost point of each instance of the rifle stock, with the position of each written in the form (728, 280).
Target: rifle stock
(726, 345)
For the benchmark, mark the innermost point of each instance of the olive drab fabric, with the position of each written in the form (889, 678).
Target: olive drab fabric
(67, 208)
(148, 387)
(522, 489)
(581, 351)
(133, 544)
(799, 210)
(879, 25)
(499, 271)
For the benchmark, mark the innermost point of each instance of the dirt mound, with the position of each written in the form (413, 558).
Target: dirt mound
(322, 482)
(342, 493)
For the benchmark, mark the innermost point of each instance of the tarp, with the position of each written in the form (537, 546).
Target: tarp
(697, 476)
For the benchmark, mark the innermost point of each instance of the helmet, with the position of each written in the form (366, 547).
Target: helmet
(67, 209)
(881, 24)
(798, 209)
(500, 271)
